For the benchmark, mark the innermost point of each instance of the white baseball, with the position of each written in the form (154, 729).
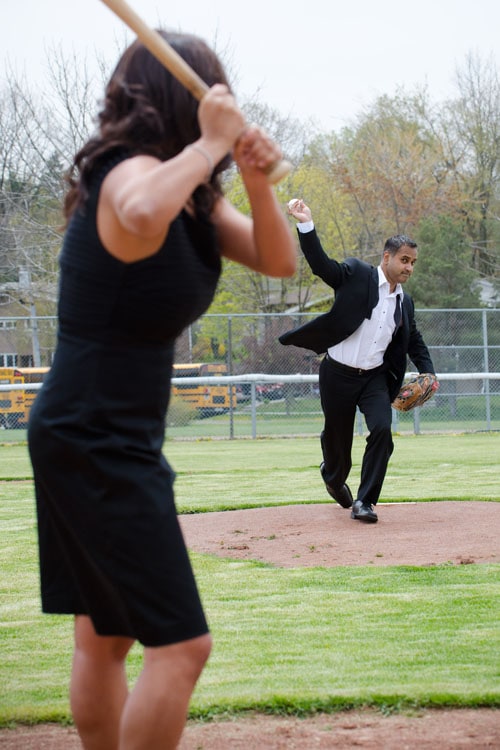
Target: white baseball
(292, 203)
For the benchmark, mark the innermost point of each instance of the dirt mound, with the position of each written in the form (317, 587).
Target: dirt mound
(326, 535)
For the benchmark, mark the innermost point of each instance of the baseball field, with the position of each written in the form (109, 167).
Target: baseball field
(311, 612)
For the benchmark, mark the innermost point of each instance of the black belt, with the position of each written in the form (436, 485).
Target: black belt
(351, 370)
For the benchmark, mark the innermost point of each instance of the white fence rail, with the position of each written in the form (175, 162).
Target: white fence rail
(256, 379)
(266, 378)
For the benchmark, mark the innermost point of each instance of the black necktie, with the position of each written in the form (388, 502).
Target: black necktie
(397, 313)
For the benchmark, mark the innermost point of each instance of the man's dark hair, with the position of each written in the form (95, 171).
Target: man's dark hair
(393, 244)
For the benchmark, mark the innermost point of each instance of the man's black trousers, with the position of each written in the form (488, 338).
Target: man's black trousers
(342, 389)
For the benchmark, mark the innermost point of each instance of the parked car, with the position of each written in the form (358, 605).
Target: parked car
(270, 391)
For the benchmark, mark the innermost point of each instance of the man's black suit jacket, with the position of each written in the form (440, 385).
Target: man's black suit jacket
(355, 283)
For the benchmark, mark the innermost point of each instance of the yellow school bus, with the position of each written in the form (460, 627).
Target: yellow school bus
(206, 398)
(32, 375)
(13, 414)
(15, 405)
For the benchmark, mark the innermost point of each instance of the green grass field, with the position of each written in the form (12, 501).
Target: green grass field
(284, 639)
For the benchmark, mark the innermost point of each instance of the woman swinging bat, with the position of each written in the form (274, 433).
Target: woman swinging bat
(147, 225)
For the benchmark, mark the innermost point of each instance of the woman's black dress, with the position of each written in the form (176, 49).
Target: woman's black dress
(109, 538)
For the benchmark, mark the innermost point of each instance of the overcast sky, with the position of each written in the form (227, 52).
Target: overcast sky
(319, 59)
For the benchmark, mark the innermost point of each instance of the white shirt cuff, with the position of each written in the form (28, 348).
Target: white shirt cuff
(305, 226)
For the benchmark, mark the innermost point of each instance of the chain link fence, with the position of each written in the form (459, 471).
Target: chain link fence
(241, 382)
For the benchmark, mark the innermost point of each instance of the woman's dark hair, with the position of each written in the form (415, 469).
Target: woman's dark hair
(147, 111)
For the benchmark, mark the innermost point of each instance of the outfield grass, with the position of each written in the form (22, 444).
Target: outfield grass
(286, 640)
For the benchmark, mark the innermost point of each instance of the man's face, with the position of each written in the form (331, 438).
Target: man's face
(399, 267)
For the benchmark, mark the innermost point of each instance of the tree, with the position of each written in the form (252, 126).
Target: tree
(389, 165)
(260, 293)
(41, 131)
(443, 276)
(472, 123)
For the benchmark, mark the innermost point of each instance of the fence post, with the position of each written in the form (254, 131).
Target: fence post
(359, 422)
(254, 410)
(486, 368)
(416, 420)
(232, 388)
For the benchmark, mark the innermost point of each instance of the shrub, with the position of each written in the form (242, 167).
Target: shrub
(180, 412)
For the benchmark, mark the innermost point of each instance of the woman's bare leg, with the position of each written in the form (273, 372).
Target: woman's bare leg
(153, 715)
(156, 710)
(98, 685)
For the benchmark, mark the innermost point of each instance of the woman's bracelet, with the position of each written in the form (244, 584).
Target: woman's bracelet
(210, 161)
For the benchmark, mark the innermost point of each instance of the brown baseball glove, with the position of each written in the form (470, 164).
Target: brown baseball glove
(416, 392)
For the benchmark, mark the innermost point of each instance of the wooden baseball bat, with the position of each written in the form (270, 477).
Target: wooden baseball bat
(179, 68)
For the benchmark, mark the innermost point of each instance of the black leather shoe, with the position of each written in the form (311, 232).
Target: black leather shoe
(364, 512)
(343, 497)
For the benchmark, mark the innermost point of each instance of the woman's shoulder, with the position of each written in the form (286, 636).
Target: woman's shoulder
(124, 163)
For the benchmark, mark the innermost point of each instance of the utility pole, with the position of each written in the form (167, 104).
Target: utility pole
(25, 286)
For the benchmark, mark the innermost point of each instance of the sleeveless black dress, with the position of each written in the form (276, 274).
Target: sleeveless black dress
(110, 544)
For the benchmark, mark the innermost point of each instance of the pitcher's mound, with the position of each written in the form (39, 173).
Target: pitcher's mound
(325, 535)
